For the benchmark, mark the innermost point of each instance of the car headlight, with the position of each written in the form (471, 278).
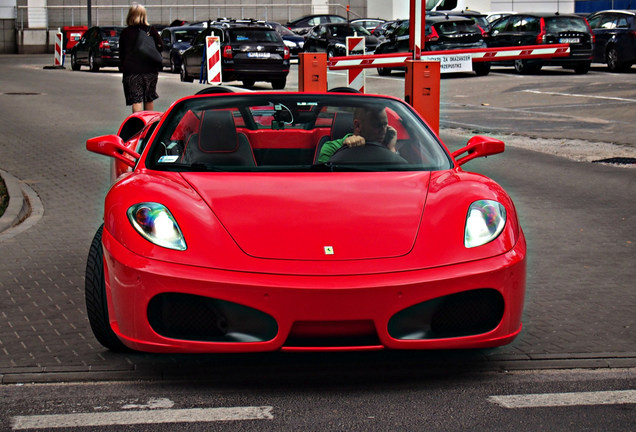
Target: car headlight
(485, 221)
(290, 44)
(156, 224)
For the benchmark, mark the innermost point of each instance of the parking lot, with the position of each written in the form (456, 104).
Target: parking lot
(579, 216)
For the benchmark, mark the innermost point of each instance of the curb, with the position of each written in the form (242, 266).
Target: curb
(18, 208)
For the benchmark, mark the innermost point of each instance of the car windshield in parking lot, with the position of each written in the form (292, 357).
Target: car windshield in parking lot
(561, 23)
(457, 27)
(286, 132)
(254, 35)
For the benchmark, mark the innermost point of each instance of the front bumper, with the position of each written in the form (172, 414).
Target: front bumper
(164, 307)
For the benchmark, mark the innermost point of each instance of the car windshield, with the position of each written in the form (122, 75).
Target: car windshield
(457, 27)
(254, 35)
(185, 35)
(562, 23)
(283, 132)
(358, 30)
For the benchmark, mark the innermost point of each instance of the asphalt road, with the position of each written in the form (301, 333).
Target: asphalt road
(579, 219)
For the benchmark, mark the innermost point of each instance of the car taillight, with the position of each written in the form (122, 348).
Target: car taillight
(104, 44)
(227, 52)
(286, 54)
(484, 33)
(541, 35)
(433, 37)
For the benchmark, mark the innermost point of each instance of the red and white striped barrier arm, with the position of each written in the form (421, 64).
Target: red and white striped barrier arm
(477, 54)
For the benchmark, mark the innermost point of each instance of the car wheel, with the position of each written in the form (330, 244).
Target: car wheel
(248, 83)
(74, 65)
(524, 67)
(91, 63)
(613, 62)
(331, 53)
(384, 71)
(481, 69)
(184, 75)
(279, 84)
(95, 295)
(582, 68)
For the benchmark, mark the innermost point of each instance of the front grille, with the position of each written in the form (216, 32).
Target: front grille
(197, 318)
(463, 314)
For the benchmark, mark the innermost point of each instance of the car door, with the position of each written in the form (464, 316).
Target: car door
(499, 34)
(83, 46)
(166, 37)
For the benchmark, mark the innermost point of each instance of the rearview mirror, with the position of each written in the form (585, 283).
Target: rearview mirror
(113, 146)
(478, 146)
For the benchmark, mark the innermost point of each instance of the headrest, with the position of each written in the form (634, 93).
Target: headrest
(342, 124)
(217, 132)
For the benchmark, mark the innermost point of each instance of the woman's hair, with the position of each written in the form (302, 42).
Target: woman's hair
(137, 15)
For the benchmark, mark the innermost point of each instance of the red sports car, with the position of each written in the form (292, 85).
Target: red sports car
(224, 232)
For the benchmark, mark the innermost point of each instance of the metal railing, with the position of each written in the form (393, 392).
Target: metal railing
(59, 16)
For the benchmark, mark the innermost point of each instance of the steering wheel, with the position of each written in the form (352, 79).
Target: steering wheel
(372, 152)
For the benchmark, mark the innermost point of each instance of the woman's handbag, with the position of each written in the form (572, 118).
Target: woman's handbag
(147, 50)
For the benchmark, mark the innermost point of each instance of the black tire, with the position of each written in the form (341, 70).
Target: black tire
(525, 67)
(481, 69)
(74, 65)
(184, 75)
(173, 66)
(95, 294)
(91, 63)
(384, 71)
(248, 83)
(613, 61)
(582, 68)
(279, 84)
(331, 53)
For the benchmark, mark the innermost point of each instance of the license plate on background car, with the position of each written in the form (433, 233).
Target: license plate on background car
(258, 54)
(569, 40)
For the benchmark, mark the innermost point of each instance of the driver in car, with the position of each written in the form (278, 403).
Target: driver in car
(369, 124)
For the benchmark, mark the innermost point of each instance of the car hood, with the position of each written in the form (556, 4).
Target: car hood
(317, 216)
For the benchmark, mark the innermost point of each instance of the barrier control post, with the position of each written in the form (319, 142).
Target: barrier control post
(421, 90)
(312, 72)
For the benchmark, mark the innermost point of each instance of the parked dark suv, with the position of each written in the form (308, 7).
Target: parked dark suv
(175, 41)
(615, 32)
(545, 28)
(250, 52)
(332, 38)
(441, 33)
(98, 47)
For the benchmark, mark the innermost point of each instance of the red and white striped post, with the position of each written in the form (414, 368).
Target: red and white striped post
(58, 59)
(213, 57)
(417, 28)
(356, 76)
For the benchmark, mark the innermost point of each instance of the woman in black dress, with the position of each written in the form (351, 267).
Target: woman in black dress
(139, 77)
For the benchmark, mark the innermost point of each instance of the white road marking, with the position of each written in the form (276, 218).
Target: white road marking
(579, 95)
(565, 399)
(141, 417)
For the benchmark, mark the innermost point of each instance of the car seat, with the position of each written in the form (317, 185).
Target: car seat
(342, 125)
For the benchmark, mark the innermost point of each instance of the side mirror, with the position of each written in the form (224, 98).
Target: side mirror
(478, 146)
(113, 146)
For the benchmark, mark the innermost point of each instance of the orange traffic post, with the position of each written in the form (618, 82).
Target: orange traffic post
(421, 90)
(312, 72)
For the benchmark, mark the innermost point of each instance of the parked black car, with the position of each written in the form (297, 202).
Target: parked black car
(175, 41)
(384, 29)
(98, 47)
(250, 52)
(302, 25)
(332, 38)
(294, 42)
(615, 32)
(545, 28)
(442, 32)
